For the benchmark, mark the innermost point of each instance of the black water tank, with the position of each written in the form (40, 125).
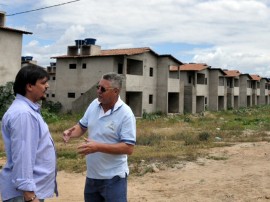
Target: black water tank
(90, 41)
(28, 58)
(79, 42)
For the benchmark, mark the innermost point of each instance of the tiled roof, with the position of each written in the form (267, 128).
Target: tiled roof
(14, 30)
(112, 52)
(123, 51)
(126, 51)
(193, 67)
(255, 77)
(232, 73)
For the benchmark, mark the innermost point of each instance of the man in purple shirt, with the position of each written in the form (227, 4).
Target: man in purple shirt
(30, 170)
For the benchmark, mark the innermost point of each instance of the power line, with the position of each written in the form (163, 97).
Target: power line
(42, 8)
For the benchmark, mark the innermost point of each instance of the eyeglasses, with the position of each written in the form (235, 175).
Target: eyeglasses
(103, 89)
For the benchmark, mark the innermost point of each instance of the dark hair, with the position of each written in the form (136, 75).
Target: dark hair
(28, 75)
(116, 79)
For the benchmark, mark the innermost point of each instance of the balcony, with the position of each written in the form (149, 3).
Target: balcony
(174, 85)
(236, 91)
(134, 82)
(221, 90)
(201, 90)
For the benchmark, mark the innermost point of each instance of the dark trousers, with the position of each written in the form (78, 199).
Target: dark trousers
(109, 190)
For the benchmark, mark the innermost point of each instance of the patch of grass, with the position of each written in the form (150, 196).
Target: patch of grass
(71, 165)
(218, 158)
(150, 140)
(170, 139)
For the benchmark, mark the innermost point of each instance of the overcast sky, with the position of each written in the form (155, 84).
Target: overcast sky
(228, 34)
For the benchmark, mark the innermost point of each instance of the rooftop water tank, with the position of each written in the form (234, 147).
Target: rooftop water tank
(79, 42)
(90, 41)
(28, 58)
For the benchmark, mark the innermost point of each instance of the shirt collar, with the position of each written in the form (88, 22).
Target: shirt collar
(116, 106)
(34, 106)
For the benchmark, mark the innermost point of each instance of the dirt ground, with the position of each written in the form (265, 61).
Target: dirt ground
(237, 173)
(231, 174)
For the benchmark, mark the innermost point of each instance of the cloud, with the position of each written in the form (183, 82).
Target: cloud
(245, 61)
(224, 33)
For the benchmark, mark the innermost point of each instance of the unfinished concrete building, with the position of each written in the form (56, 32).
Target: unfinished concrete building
(256, 89)
(148, 85)
(264, 88)
(245, 91)
(217, 90)
(233, 92)
(195, 79)
(152, 82)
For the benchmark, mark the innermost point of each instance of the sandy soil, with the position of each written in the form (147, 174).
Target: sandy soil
(243, 174)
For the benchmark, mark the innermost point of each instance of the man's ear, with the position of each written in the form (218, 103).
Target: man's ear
(116, 90)
(29, 87)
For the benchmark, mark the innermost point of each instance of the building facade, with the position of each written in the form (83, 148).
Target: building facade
(152, 82)
(10, 51)
(148, 86)
(233, 92)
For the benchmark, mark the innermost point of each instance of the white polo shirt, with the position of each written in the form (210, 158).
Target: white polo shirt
(115, 126)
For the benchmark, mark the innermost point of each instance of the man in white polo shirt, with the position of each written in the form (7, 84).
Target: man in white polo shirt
(111, 127)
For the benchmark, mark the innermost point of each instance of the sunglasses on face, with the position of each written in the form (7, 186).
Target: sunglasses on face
(103, 89)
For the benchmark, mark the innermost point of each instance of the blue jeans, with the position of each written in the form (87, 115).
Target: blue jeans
(19, 199)
(111, 190)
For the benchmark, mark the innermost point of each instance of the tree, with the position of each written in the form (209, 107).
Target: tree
(6, 97)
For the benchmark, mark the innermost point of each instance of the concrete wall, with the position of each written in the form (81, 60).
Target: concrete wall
(134, 100)
(81, 104)
(213, 90)
(232, 98)
(255, 92)
(202, 90)
(263, 90)
(188, 82)
(79, 80)
(140, 84)
(169, 88)
(217, 89)
(196, 90)
(10, 55)
(150, 84)
(170, 92)
(243, 101)
(162, 85)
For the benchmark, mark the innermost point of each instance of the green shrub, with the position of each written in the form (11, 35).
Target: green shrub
(152, 116)
(204, 136)
(6, 97)
(49, 117)
(152, 139)
(53, 107)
